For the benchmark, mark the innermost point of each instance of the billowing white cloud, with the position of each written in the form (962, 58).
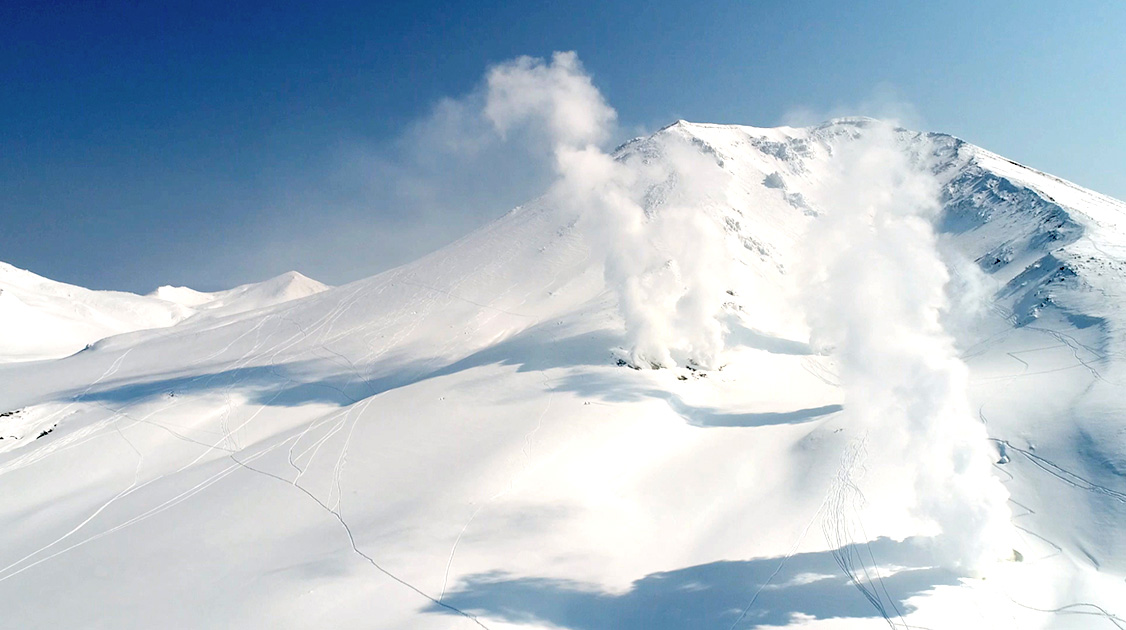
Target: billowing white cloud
(659, 250)
(558, 95)
(874, 288)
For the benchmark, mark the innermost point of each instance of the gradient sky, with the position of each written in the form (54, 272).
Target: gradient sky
(213, 143)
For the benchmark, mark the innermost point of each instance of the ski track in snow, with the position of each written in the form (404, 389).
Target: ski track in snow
(1058, 472)
(325, 324)
(512, 482)
(845, 500)
(790, 554)
(1070, 478)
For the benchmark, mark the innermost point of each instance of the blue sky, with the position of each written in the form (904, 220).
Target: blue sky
(210, 144)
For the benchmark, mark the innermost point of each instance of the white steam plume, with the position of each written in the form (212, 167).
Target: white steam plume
(874, 288)
(559, 95)
(663, 251)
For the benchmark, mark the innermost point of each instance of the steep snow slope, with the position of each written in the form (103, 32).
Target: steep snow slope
(453, 444)
(44, 319)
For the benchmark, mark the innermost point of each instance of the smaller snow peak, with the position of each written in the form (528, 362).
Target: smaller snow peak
(297, 276)
(290, 285)
(294, 284)
(285, 287)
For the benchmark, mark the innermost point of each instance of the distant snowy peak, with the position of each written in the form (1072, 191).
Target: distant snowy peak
(45, 319)
(247, 297)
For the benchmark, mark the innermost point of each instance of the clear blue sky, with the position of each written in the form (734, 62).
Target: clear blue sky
(203, 143)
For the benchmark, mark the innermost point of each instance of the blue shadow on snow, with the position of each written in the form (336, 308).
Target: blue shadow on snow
(712, 595)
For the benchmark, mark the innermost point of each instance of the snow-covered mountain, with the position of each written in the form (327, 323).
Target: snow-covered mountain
(44, 319)
(460, 442)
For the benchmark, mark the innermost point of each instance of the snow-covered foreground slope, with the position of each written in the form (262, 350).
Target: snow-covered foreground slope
(454, 443)
(44, 319)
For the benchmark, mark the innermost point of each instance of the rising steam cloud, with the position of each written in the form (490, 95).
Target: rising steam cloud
(662, 250)
(874, 288)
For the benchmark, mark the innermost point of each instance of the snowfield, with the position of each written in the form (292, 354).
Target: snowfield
(461, 442)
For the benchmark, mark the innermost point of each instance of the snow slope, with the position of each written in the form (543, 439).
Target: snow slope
(44, 319)
(452, 443)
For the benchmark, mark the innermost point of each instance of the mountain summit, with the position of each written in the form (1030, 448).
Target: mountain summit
(889, 366)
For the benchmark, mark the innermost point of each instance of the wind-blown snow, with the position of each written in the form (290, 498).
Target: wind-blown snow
(875, 286)
(652, 221)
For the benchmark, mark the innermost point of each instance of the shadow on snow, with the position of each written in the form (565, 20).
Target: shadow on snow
(332, 380)
(713, 595)
(622, 386)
